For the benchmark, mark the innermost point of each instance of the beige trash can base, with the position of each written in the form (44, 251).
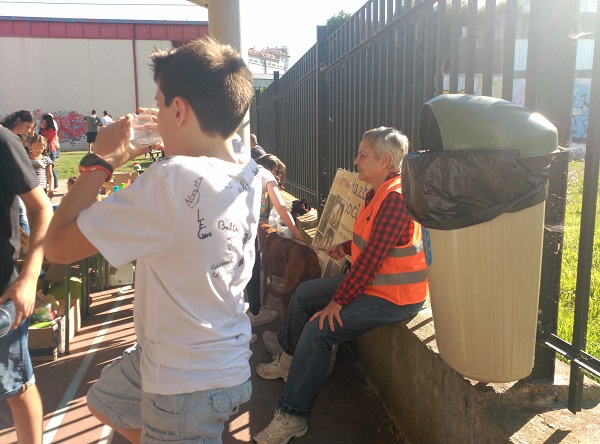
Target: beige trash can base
(484, 285)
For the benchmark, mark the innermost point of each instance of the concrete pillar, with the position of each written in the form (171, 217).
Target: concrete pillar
(225, 25)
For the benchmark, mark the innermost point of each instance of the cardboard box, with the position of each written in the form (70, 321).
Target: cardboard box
(45, 341)
(121, 276)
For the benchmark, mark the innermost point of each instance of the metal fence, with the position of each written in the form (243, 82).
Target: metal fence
(390, 58)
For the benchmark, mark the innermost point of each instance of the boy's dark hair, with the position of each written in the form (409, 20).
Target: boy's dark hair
(211, 77)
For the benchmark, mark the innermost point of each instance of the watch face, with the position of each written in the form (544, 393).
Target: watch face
(89, 160)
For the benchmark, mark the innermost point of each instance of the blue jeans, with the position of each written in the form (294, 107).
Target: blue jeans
(16, 370)
(188, 417)
(53, 157)
(311, 347)
(23, 221)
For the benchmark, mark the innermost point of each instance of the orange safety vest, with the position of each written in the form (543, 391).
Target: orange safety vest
(402, 278)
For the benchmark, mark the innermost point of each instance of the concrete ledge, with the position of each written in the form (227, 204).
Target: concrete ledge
(431, 403)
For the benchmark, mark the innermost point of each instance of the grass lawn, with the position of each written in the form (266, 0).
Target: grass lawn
(67, 164)
(569, 266)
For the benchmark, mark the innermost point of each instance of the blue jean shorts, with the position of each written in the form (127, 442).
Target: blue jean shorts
(188, 417)
(16, 371)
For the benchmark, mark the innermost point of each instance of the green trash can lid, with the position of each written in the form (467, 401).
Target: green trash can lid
(453, 122)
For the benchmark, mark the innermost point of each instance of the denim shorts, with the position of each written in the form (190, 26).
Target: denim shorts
(187, 417)
(16, 371)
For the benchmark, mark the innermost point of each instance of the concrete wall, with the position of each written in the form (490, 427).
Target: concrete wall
(70, 77)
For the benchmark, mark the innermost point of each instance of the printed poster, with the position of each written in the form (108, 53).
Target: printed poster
(345, 199)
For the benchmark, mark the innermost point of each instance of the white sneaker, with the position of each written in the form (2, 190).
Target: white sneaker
(264, 316)
(272, 343)
(279, 368)
(282, 428)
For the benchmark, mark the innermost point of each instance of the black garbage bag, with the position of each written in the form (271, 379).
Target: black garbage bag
(456, 189)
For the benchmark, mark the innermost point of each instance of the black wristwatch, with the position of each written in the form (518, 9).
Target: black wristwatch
(93, 162)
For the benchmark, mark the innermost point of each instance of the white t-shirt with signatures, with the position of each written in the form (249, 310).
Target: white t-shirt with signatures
(190, 222)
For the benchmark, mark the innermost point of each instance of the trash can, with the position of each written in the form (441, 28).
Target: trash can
(478, 188)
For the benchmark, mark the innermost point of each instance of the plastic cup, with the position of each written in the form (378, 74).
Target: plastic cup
(7, 316)
(144, 132)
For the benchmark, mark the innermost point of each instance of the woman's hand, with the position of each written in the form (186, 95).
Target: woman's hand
(336, 252)
(331, 312)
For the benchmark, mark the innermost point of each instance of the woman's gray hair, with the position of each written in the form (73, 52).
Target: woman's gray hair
(388, 140)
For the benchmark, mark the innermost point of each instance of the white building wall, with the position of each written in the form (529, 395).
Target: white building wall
(70, 77)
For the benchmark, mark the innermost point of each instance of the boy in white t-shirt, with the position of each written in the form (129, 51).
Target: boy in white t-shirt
(190, 222)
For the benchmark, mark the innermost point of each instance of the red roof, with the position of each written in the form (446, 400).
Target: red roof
(101, 29)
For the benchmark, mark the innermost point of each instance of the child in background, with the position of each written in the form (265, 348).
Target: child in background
(42, 164)
(49, 129)
(272, 172)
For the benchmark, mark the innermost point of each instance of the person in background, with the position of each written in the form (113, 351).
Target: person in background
(189, 370)
(93, 122)
(272, 173)
(17, 384)
(387, 283)
(255, 149)
(48, 130)
(106, 119)
(239, 148)
(41, 163)
(22, 124)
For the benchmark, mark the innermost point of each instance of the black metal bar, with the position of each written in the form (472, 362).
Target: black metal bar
(489, 30)
(67, 306)
(470, 47)
(581, 358)
(321, 117)
(277, 115)
(549, 38)
(508, 54)
(440, 53)
(455, 35)
(586, 233)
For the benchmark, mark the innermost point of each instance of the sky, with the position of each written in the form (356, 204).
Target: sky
(269, 23)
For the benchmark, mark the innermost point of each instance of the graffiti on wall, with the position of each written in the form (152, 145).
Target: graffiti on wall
(580, 111)
(71, 126)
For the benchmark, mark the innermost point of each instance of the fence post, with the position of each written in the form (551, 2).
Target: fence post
(276, 118)
(552, 23)
(322, 179)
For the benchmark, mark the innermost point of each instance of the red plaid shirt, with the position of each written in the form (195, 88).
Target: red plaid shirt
(392, 226)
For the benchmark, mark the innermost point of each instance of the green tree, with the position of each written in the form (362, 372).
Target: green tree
(335, 21)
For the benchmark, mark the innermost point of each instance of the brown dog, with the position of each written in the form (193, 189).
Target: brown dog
(291, 260)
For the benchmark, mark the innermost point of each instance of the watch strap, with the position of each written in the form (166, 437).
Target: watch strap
(92, 162)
